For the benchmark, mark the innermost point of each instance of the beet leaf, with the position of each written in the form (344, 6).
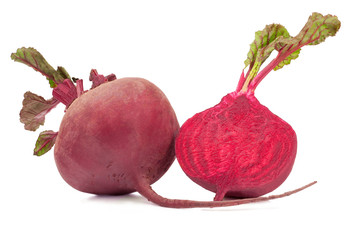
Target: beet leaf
(63, 73)
(45, 142)
(35, 60)
(276, 37)
(36, 107)
(34, 110)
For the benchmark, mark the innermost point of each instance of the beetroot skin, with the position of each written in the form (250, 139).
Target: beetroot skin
(116, 135)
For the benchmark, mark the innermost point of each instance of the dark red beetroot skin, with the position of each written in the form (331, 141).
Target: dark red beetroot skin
(237, 148)
(116, 135)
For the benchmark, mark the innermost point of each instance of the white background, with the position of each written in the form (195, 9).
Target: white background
(194, 52)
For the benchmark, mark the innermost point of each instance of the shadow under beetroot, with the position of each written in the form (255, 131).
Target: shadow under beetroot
(133, 198)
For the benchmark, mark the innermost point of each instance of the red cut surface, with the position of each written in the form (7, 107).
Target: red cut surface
(238, 148)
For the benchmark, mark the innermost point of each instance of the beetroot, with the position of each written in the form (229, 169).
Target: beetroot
(119, 136)
(239, 148)
(115, 136)
(123, 144)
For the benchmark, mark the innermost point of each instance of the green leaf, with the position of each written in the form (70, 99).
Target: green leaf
(315, 31)
(34, 110)
(45, 142)
(287, 61)
(32, 58)
(261, 48)
(63, 73)
(263, 39)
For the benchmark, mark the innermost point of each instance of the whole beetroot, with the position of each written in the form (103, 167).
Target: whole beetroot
(115, 136)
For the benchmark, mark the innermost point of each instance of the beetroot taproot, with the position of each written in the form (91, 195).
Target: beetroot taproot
(239, 148)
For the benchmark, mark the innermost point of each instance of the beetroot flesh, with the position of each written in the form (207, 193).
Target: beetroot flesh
(238, 148)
